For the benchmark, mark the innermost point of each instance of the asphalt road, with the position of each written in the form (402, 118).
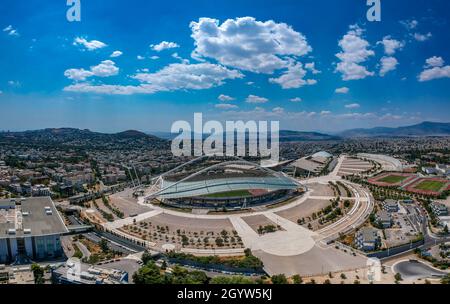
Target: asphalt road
(416, 270)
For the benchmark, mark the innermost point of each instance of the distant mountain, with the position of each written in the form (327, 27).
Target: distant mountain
(292, 136)
(71, 137)
(133, 134)
(423, 129)
(284, 136)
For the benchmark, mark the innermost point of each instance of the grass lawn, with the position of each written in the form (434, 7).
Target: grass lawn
(392, 179)
(435, 186)
(236, 193)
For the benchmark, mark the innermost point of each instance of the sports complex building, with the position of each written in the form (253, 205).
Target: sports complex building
(223, 183)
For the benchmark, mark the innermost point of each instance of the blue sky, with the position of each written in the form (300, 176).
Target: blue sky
(312, 65)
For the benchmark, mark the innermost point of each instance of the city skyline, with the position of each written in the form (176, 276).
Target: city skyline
(131, 67)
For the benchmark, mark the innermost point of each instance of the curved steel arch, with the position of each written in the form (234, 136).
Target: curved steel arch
(237, 160)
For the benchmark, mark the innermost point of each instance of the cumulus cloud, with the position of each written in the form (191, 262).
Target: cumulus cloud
(296, 99)
(223, 97)
(106, 68)
(434, 69)
(176, 76)
(116, 54)
(422, 37)
(139, 57)
(354, 52)
(89, 45)
(352, 106)
(343, 90)
(312, 67)
(154, 57)
(434, 62)
(11, 31)
(387, 64)
(226, 106)
(391, 45)
(164, 45)
(293, 77)
(256, 99)
(248, 44)
(325, 113)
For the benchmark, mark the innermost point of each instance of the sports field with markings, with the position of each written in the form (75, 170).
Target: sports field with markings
(392, 179)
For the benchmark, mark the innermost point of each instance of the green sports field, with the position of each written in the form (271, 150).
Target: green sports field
(392, 179)
(435, 186)
(237, 193)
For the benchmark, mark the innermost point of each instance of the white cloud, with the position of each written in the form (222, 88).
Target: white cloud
(343, 90)
(139, 57)
(106, 68)
(434, 69)
(278, 110)
(293, 77)
(154, 57)
(387, 64)
(409, 24)
(164, 45)
(78, 74)
(312, 67)
(390, 116)
(256, 99)
(226, 106)
(391, 45)
(434, 62)
(422, 37)
(223, 97)
(11, 31)
(248, 44)
(176, 76)
(354, 52)
(89, 45)
(352, 106)
(176, 56)
(296, 99)
(325, 113)
(116, 54)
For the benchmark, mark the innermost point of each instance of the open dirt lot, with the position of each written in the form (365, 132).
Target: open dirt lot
(307, 208)
(255, 221)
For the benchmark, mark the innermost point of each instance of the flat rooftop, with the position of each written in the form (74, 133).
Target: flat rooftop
(35, 216)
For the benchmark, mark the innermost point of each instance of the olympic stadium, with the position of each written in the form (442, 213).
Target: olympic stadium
(231, 183)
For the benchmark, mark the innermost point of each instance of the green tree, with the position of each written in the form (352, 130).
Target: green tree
(297, 279)
(279, 279)
(104, 245)
(146, 257)
(398, 277)
(38, 273)
(231, 280)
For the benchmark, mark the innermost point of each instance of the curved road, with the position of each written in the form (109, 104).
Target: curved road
(416, 270)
